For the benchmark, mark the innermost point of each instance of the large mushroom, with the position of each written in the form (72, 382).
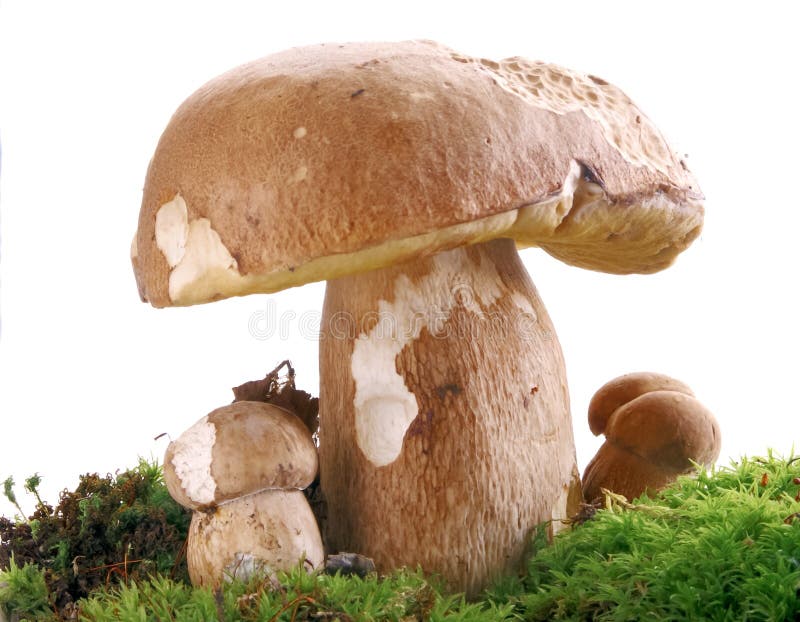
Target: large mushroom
(655, 429)
(405, 175)
(242, 468)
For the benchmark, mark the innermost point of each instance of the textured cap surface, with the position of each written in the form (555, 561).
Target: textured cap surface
(237, 450)
(622, 390)
(333, 159)
(667, 428)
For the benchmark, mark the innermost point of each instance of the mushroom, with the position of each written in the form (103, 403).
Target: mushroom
(655, 430)
(242, 469)
(406, 174)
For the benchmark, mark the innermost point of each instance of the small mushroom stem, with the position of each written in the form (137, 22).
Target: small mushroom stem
(262, 533)
(445, 432)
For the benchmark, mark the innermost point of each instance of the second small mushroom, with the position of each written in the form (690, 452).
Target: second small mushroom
(655, 430)
(242, 469)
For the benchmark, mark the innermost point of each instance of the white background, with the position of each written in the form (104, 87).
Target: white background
(89, 375)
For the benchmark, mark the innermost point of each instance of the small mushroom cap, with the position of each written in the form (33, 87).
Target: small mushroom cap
(259, 534)
(329, 160)
(622, 390)
(237, 450)
(667, 428)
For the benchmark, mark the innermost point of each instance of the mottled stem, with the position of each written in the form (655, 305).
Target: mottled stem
(445, 433)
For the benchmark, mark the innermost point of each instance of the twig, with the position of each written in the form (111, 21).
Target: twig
(295, 602)
(612, 500)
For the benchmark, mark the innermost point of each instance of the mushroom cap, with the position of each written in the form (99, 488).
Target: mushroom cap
(329, 160)
(667, 428)
(625, 388)
(237, 450)
(261, 533)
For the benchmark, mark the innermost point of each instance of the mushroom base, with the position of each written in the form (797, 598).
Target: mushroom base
(445, 433)
(258, 534)
(624, 473)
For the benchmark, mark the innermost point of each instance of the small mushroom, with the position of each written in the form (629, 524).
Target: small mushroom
(655, 430)
(242, 469)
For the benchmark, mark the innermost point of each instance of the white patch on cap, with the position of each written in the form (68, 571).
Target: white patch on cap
(172, 229)
(300, 173)
(202, 267)
(420, 96)
(384, 407)
(205, 260)
(193, 452)
(300, 132)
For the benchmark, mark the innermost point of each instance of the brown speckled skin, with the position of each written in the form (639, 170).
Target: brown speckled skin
(490, 453)
(260, 446)
(656, 429)
(403, 139)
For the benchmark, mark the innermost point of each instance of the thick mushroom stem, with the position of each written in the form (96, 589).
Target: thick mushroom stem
(445, 432)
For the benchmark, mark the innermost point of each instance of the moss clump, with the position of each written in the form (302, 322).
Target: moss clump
(400, 597)
(721, 546)
(110, 528)
(23, 589)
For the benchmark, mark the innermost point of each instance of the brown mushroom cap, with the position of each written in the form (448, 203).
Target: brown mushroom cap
(237, 450)
(330, 160)
(625, 388)
(667, 428)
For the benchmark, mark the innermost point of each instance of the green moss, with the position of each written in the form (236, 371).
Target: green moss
(24, 593)
(111, 528)
(720, 546)
(403, 596)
